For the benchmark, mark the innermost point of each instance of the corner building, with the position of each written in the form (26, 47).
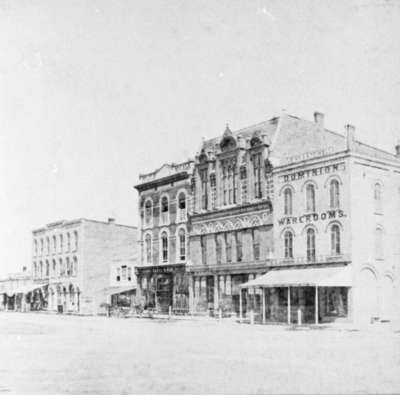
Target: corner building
(164, 207)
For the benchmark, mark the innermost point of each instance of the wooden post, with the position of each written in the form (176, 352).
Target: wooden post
(316, 305)
(240, 305)
(263, 305)
(288, 307)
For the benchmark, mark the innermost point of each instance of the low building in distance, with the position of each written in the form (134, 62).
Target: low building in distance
(12, 287)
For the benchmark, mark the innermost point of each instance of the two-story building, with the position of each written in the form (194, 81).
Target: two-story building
(12, 288)
(72, 262)
(164, 206)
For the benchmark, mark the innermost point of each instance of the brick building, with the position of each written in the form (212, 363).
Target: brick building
(72, 261)
(164, 206)
(286, 218)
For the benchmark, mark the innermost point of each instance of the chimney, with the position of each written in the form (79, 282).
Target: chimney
(111, 220)
(319, 119)
(349, 134)
(397, 148)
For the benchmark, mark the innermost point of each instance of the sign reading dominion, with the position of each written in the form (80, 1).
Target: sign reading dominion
(306, 218)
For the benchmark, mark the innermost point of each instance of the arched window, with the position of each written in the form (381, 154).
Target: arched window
(164, 210)
(213, 187)
(147, 246)
(182, 244)
(288, 238)
(41, 247)
(164, 246)
(35, 273)
(47, 246)
(334, 194)
(54, 244)
(288, 201)
(243, 183)
(182, 206)
(378, 243)
(68, 268)
(75, 240)
(310, 198)
(61, 268)
(35, 248)
(41, 269)
(54, 269)
(310, 245)
(148, 212)
(47, 269)
(75, 266)
(378, 197)
(61, 243)
(68, 242)
(335, 240)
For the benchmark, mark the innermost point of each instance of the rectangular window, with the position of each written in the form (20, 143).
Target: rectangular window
(118, 278)
(256, 243)
(204, 192)
(228, 246)
(218, 245)
(239, 249)
(257, 175)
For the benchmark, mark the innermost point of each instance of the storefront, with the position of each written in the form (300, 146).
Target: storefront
(164, 287)
(301, 296)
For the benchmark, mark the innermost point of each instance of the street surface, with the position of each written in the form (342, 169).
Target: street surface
(55, 354)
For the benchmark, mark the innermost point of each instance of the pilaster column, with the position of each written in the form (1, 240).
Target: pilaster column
(216, 299)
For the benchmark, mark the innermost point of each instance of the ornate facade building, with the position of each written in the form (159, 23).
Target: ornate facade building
(164, 207)
(287, 219)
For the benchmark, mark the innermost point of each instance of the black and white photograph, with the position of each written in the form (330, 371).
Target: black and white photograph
(199, 197)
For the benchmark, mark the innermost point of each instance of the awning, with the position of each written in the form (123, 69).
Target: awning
(24, 289)
(309, 276)
(119, 290)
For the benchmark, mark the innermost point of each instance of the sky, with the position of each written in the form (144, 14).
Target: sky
(93, 93)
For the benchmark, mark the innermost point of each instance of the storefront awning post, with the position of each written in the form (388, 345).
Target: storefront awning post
(288, 306)
(240, 305)
(316, 305)
(263, 305)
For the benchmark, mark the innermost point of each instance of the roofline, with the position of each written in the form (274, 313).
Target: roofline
(63, 223)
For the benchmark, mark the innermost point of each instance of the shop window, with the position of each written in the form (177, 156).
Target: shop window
(310, 198)
(164, 246)
(335, 240)
(378, 197)
(182, 244)
(288, 239)
(310, 245)
(334, 194)
(147, 242)
(378, 243)
(182, 206)
(288, 201)
(148, 212)
(164, 210)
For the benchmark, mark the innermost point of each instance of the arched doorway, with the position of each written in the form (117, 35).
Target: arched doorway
(164, 288)
(387, 298)
(367, 295)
